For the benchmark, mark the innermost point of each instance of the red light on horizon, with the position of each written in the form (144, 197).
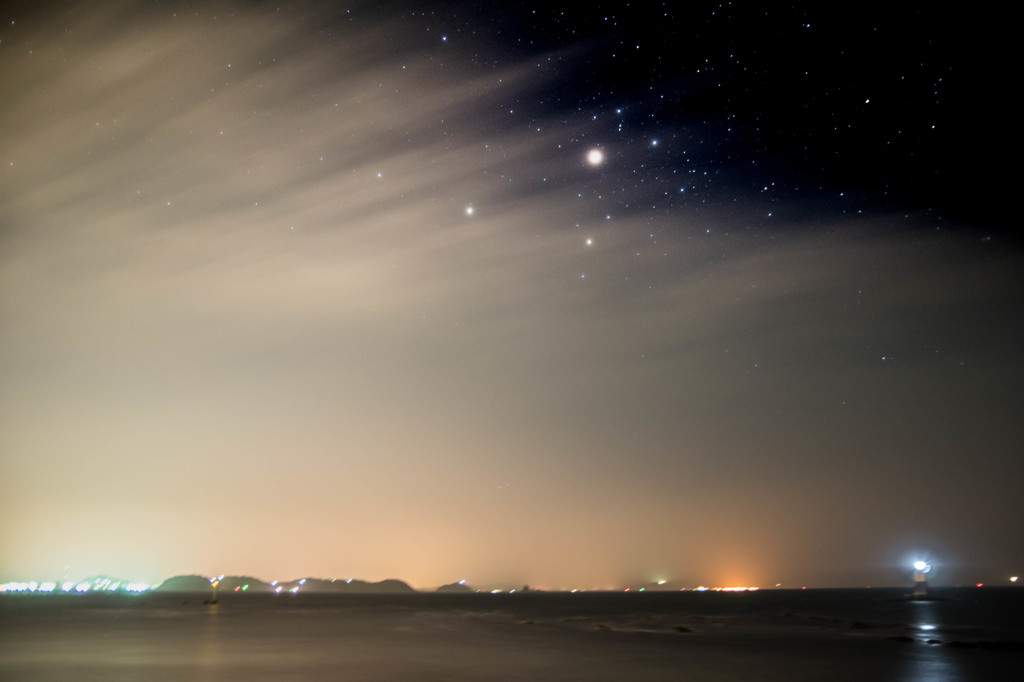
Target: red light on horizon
(979, 584)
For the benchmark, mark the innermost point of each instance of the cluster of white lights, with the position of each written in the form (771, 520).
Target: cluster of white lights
(98, 585)
(19, 587)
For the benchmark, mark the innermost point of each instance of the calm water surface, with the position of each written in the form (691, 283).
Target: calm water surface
(771, 635)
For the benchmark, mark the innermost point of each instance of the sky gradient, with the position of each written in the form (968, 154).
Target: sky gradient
(287, 291)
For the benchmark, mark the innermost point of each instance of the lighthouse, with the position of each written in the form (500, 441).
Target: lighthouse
(921, 569)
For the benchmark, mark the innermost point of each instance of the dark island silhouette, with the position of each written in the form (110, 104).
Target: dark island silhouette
(237, 584)
(458, 588)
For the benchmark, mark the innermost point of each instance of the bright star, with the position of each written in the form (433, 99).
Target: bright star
(595, 157)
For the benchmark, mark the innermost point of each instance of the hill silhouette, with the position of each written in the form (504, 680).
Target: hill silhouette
(248, 584)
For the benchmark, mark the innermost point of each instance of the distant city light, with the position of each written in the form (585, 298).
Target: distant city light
(49, 586)
(1013, 578)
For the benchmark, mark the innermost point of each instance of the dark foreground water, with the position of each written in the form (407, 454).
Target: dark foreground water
(973, 634)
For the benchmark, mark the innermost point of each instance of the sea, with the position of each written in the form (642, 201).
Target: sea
(860, 634)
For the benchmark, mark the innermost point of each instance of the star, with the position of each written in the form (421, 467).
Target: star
(595, 157)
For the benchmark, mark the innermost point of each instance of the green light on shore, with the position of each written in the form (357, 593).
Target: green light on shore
(244, 588)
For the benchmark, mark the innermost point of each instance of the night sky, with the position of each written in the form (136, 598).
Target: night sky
(509, 292)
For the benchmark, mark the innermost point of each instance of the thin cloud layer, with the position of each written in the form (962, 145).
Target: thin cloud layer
(284, 301)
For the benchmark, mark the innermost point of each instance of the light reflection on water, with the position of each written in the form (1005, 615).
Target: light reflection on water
(929, 659)
(210, 647)
(843, 636)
